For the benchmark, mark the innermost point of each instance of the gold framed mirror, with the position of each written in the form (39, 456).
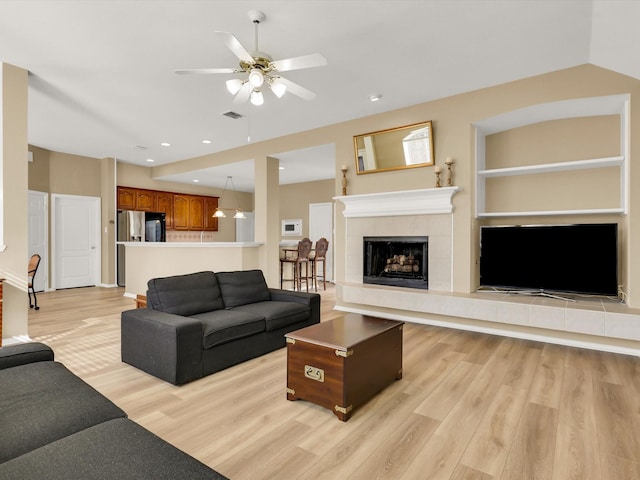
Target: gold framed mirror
(398, 148)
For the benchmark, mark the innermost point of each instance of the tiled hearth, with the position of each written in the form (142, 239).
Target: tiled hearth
(603, 325)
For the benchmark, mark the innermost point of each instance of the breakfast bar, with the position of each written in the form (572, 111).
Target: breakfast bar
(146, 260)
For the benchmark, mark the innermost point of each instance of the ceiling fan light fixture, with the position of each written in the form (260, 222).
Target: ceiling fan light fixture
(234, 85)
(278, 88)
(257, 98)
(256, 77)
(219, 213)
(239, 214)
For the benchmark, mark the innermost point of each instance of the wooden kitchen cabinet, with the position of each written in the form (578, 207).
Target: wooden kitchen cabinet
(210, 222)
(136, 199)
(164, 204)
(196, 213)
(180, 212)
(145, 201)
(126, 198)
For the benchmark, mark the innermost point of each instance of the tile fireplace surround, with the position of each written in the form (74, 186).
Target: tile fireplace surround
(592, 323)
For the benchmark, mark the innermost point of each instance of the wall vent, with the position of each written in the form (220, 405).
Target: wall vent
(232, 114)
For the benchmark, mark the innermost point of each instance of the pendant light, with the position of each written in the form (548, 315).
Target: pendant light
(219, 213)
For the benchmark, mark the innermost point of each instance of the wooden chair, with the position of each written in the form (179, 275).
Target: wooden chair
(322, 246)
(34, 262)
(301, 258)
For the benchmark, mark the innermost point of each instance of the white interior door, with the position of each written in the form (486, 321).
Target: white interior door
(321, 225)
(76, 236)
(38, 237)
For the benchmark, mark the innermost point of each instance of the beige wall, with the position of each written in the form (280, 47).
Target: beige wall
(453, 120)
(296, 197)
(13, 162)
(39, 170)
(74, 175)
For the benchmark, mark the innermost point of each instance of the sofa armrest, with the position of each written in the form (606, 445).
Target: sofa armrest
(23, 353)
(165, 345)
(312, 300)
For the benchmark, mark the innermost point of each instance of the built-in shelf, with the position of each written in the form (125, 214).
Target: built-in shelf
(553, 167)
(586, 211)
(580, 107)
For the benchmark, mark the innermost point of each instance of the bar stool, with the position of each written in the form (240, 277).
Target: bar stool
(322, 246)
(34, 262)
(301, 258)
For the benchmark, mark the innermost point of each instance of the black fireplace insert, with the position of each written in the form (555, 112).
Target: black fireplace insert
(397, 261)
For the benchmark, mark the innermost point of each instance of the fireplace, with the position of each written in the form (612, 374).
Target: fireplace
(396, 261)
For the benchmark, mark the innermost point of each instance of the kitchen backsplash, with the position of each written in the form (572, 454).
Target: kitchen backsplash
(178, 236)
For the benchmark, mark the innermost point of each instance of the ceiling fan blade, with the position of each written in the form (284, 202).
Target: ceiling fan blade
(296, 63)
(188, 71)
(236, 47)
(243, 94)
(297, 89)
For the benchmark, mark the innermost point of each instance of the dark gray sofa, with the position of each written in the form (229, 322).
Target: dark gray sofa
(56, 426)
(200, 323)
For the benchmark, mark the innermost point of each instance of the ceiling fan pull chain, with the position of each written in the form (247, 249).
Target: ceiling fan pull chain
(256, 23)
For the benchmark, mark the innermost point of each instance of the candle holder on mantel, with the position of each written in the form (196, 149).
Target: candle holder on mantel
(437, 170)
(448, 162)
(344, 180)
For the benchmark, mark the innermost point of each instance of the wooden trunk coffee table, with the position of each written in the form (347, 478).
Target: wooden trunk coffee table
(342, 363)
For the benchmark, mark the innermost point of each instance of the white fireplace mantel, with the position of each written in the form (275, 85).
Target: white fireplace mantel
(426, 201)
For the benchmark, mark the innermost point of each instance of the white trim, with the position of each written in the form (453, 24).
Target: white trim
(408, 202)
(16, 340)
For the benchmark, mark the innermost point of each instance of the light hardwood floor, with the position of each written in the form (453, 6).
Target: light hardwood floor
(470, 406)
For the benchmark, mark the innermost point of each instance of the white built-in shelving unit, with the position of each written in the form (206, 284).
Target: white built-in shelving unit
(581, 107)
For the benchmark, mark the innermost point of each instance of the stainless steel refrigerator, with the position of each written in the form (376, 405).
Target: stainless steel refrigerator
(135, 226)
(131, 228)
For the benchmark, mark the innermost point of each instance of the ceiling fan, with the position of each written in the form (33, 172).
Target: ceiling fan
(259, 69)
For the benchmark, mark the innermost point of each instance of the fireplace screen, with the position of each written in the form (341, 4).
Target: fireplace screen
(397, 261)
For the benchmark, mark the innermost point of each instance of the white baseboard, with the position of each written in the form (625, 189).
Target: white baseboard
(16, 340)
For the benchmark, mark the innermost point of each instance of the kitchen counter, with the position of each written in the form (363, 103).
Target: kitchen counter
(192, 244)
(147, 260)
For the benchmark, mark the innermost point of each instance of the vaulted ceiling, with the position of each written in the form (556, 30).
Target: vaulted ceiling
(102, 81)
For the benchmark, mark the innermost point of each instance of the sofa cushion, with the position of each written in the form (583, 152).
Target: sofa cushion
(43, 402)
(23, 353)
(222, 326)
(278, 314)
(185, 295)
(116, 449)
(243, 287)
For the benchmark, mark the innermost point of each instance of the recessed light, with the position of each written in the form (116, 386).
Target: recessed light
(150, 160)
(195, 180)
(206, 141)
(165, 144)
(375, 98)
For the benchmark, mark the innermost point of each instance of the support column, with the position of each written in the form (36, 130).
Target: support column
(267, 210)
(14, 233)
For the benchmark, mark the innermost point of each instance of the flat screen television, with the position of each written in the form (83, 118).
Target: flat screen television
(580, 258)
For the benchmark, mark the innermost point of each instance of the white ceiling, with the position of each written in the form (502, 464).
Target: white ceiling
(102, 81)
